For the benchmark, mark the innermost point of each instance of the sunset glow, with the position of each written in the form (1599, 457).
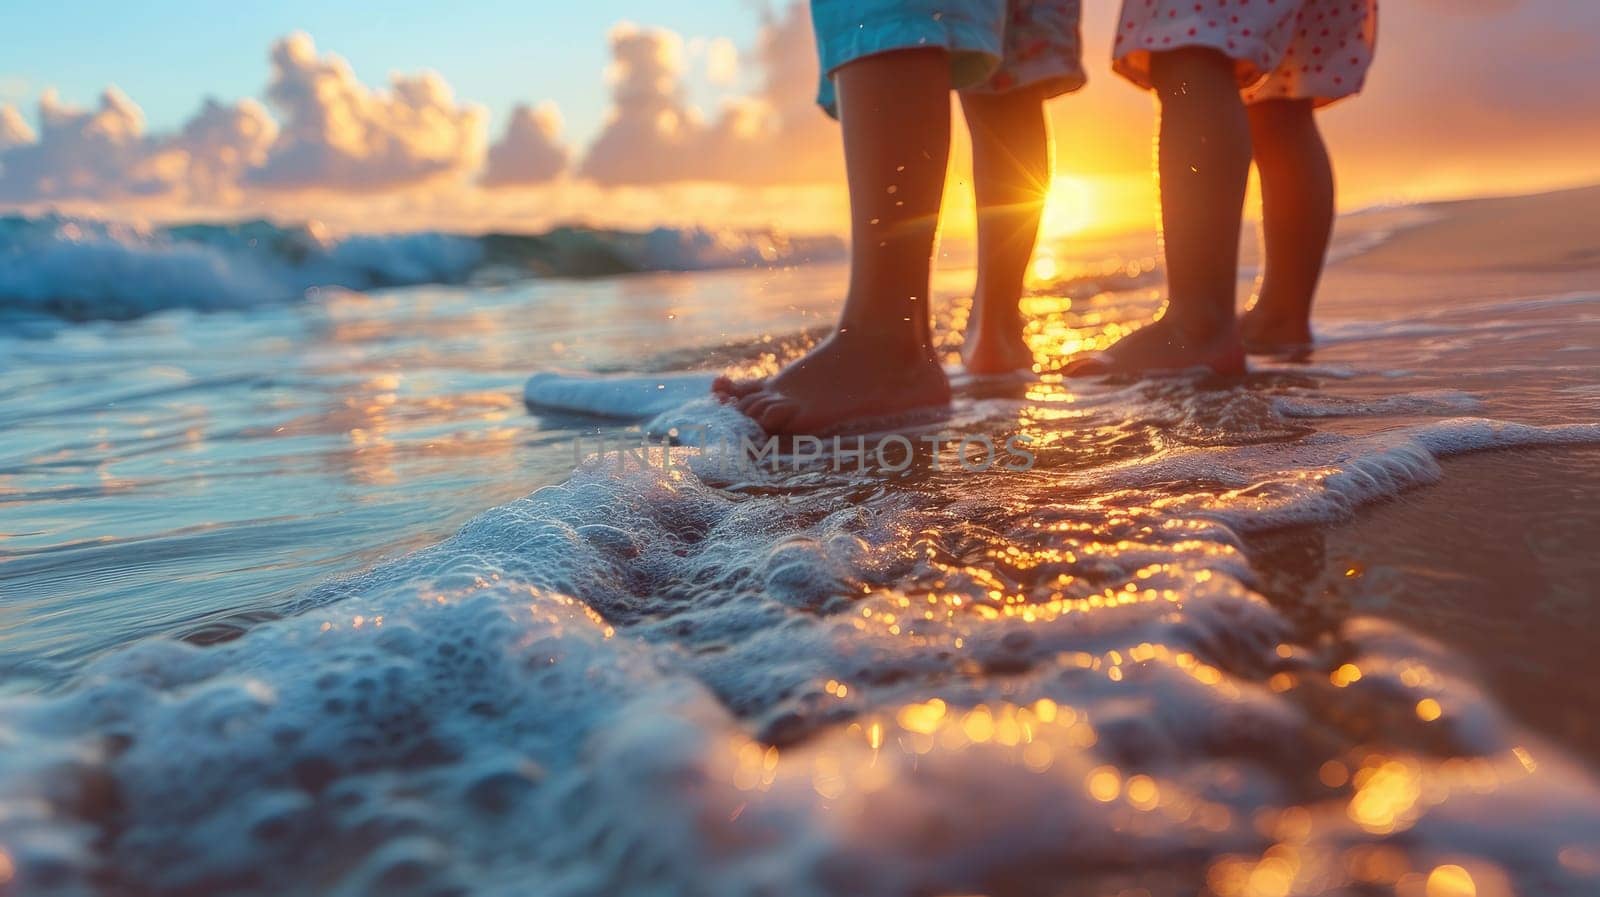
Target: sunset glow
(643, 118)
(1071, 208)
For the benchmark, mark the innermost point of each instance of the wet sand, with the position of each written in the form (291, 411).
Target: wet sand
(1500, 561)
(1544, 233)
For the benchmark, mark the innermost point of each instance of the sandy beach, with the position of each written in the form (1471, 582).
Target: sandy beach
(1543, 234)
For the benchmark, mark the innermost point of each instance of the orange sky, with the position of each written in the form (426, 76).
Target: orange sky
(1468, 97)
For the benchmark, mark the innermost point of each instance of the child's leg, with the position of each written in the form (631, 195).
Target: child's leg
(1010, 176)
(895, 112)
(1204, 165)
(1296, 220)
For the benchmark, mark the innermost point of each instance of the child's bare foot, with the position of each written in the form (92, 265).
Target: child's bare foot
(728, 389)
(1265, 333)
(849, 376)
(994, 350)
(1165, 347)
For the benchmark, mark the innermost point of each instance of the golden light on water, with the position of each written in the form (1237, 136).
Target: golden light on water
(1043, 267)
(1272, 877)
(921, 718)
(1345, 675)
(1451, 881)
(1390, 793)
(1103, 783)
(1386, 797)
(1143, 793)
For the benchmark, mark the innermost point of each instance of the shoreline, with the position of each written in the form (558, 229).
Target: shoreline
(1474, 561)
(1541, 233)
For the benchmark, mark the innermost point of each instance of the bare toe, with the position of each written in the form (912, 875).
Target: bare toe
(1085, 366)
(749, 400)
(776, 414)
(758, 408)
(729, 388)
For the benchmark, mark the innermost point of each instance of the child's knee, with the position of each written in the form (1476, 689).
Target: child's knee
(1282, 121)
(1284, 112)
(1191, 69)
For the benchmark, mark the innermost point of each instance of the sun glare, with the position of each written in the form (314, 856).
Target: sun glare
(1080, 205)
(1069, 207)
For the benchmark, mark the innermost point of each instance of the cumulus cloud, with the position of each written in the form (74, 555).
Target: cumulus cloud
(79, 152)
(530, 151)
(339, 134)
(327, 132)
(103, 153)
(722, 61)
(222, 142)
(647, 134)
(654, 136)
(14, 131)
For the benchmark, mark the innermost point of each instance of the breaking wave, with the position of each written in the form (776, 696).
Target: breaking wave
(79, 269)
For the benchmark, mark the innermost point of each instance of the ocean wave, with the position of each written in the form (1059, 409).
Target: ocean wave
(79, 269)
(669, 681)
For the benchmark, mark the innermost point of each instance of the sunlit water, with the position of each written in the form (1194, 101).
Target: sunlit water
(166, 474)
(1203, 644)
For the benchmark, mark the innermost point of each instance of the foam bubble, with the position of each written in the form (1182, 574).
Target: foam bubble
(625, 397)
(688, 682)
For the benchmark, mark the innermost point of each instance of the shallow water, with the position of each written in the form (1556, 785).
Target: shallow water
(167, 474)
(1200, 645)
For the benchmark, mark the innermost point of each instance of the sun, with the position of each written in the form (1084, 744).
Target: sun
(1075, 207)
(1069, 207)
(1098, 205)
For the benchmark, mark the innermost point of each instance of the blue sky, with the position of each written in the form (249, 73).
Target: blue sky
(169, 54)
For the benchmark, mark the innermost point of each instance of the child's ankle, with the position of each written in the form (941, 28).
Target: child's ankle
(1278, 313)
(997, 320)
(1200, 324)
(898, 338)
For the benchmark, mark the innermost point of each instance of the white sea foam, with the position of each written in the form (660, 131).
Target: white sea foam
(79, 269)
(1432, 401)
(1325, 477)
(669, 682)
(622, 397)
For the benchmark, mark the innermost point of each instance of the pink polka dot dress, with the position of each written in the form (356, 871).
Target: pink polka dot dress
(1282, 49)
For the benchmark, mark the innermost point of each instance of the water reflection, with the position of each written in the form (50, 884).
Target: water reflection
(177, 472)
